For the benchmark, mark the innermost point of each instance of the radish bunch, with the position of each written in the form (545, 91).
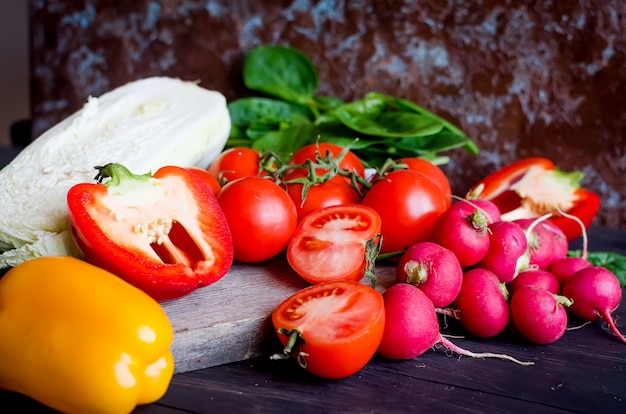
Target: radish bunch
(492, 275)
(412, 327)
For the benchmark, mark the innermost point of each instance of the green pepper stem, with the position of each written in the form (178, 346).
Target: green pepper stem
(117, 172)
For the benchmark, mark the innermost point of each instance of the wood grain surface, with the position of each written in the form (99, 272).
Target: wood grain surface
(230, 320)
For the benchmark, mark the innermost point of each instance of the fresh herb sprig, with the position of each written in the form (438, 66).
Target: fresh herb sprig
(289, 114)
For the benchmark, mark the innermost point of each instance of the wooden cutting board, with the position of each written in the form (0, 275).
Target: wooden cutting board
(231, 320)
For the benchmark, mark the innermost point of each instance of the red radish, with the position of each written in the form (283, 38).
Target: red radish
(464, 232)
(596, 293)
(540, 241)
(411, 324)
(432, 268)
(538, 315)
(507, 254)
(535, 277)
(482, 303)
(412, 327)
(488, 208)
(561, 245)
(563, 268)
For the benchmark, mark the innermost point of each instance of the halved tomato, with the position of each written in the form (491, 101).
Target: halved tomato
(333, 329)
(334, 243)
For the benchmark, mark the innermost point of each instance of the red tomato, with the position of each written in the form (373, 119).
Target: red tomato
(349, 162)
(341, 324)
(261, 217)
(330, 243)
(431, 171)
(336, 191)
(207, 178)
(408, 203)
(235, 163)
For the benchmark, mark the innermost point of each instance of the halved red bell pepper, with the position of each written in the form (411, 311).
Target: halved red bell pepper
(163, 233)
(533, 187)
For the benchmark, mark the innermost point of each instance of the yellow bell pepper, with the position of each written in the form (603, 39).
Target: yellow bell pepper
(81, 340)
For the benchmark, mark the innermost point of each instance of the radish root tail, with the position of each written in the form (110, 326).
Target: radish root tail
(583, 229)
(451, 346)
(609, 320)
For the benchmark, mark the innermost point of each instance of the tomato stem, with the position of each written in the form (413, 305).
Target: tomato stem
(277, 168)
(270, 162)
(293, 348)
(372, 250)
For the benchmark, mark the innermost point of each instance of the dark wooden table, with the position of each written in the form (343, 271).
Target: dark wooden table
(584, 372)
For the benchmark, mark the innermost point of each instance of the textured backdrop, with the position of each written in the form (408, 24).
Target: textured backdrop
(545, 78)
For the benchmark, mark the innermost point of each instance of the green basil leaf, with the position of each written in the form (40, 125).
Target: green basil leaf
(355, 145)
(371, 107)
(390, 124)
(286, 141)
(441, 141)
(328, 118)
(376, 127)
(280, 72)
(258, 129)
(327, 103)
(376, 155)
(406, 105)
(237, 132)
(246, 111)
(614, 262)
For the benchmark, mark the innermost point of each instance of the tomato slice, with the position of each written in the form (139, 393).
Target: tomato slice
(339, 325)
(332, 243)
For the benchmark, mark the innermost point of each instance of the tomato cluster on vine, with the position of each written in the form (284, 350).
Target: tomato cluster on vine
(408, 194)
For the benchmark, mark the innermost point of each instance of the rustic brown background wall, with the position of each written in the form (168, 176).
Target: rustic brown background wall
(522, 78)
